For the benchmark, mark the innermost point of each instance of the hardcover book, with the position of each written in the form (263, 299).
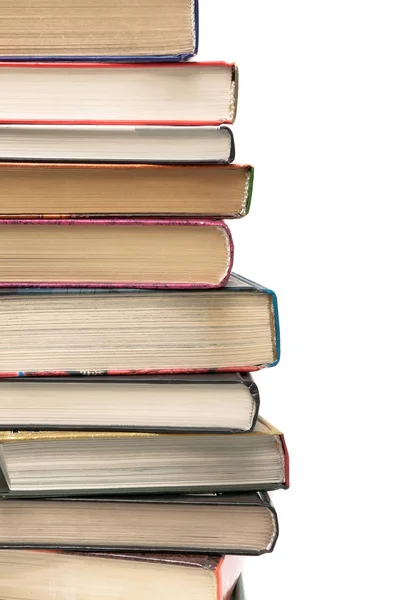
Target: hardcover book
(116, 144)
(57, 332)
(223, 402)
(120, 94)
(74, 463)
(103, 30)
(114, 253)
(38, 190)
(238, 593)
(241, 523)
(43, 575)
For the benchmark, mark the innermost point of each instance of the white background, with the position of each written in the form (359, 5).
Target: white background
(319, 106)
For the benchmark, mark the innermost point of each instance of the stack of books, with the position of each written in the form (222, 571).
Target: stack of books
(132, 453)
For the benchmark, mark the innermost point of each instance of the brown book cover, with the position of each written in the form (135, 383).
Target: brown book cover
(38, 190)
(142, 523)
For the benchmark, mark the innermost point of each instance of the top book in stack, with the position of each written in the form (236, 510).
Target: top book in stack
(102, 30)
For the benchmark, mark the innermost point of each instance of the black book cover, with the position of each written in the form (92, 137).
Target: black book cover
(162, 379)
(245, 499)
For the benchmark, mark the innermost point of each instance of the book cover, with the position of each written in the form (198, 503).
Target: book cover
(239, 500)
(100, 190)
(206, 380)
(71, 73)
(118, 145)
(266, 431)
(236, 284)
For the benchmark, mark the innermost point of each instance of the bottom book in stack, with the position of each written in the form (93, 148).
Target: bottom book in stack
(165, 503)
(102, 576)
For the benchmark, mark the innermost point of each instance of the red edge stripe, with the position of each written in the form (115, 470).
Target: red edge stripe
(218, 577)
(112, 222)
(107, 122)
(97, 65)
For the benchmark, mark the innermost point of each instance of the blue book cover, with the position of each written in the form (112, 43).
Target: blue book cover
(59, 319)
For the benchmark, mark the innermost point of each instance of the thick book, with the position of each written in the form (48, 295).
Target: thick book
(114, 253)
(121, 94)
(241, 523)
(38, 190)
(57, 332)
(75, 463)
(116, 144)
(45, 575)
(220, 402)
(103, 30)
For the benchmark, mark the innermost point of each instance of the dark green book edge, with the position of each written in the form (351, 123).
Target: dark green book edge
(250, 191)
(238, 592)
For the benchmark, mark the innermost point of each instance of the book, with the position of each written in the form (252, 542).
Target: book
(121, 94)
(96, 253)
(28, 574)
(111, 30)
(238, 593)
(74, 463)
(116, 144)
(241, 523)
(64, 332)
(223, 402)
(39, 190)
